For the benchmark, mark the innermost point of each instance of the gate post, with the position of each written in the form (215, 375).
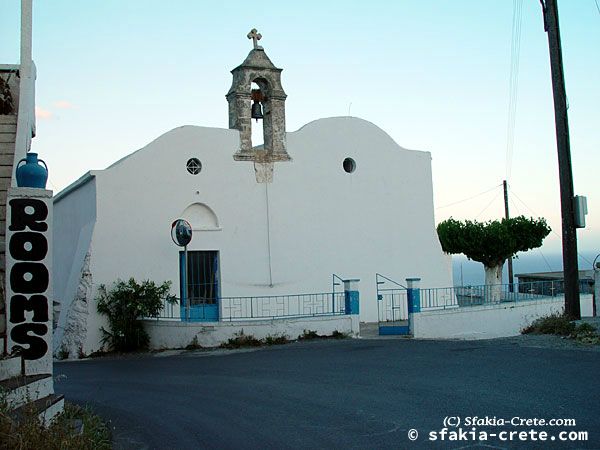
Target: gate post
(596, 297)
(413, 295)
(352, 303)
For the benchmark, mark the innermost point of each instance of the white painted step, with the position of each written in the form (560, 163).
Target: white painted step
(10, 367)
(21, 390)
(55, 404)
(46, 408)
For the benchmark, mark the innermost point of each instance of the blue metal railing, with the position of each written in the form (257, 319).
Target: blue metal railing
(259, 307)
(282, 306)
(465, 296)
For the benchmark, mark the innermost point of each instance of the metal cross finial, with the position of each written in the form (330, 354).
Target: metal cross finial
(255, 36)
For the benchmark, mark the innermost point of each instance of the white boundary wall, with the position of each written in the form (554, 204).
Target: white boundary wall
(490, 321)
(175, 334)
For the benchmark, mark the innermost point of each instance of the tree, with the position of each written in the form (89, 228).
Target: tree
(492, 242)
(124, 304)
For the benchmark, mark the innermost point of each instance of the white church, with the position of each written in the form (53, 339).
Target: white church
(338, 196)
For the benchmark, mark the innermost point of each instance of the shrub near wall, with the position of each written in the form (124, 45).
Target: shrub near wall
(124, 304)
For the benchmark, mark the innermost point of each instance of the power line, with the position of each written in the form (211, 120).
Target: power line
(515, 54)
(597, 7)
(538, 249)
(488, 205)
(545, 260)
(469, 198)
(553, 232)
(524, 204)
(514, 205)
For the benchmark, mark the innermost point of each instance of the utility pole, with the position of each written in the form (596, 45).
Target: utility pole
(569, 232)
(507, 216)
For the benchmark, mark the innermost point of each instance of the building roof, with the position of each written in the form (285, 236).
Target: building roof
(583, 275)
(257, 58)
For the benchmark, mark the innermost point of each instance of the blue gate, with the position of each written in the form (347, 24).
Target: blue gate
(392, 306)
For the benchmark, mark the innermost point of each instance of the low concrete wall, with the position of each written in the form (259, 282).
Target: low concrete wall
(175, 334)
(490, 321)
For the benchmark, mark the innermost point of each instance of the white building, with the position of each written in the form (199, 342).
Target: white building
(337, 196)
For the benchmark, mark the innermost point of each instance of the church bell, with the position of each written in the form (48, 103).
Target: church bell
(257, 111)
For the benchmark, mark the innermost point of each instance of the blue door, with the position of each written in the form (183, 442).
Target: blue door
(202, 280)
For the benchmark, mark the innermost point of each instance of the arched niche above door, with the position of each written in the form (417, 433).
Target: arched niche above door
(201, 217)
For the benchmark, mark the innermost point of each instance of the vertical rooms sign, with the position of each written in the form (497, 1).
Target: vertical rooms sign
(28, 277)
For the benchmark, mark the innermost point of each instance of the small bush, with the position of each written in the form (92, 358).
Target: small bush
(276, 340)
(193, 345)
(338, 335)
(241, 340)
(308, 335)
(124, 304)
(561, 325)
(585, 328)
(557, 324)
(586, 334)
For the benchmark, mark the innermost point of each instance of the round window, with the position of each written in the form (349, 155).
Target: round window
(194, 166)
(349, 165)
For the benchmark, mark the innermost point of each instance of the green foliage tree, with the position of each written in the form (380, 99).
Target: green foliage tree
(124, 304)
(492, 242)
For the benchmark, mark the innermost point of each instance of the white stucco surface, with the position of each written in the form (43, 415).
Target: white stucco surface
(284, 237)
(168, 335)
(73, 227)
(486, 322)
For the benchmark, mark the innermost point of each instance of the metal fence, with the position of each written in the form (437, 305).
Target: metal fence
(465, 296)
(259, 307)
(282, 306)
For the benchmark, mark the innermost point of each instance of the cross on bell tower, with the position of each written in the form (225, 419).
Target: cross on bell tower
(258, 68)
(255, 36)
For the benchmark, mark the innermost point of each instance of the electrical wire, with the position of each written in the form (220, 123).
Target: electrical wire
(545, 260)
(488, 205)
(538, 248)
(469, 198)
(513, 84)
(553, 232)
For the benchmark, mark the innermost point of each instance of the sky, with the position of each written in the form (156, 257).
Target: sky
(113, 75)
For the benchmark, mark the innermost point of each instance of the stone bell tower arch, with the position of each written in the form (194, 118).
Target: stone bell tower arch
(257, 68)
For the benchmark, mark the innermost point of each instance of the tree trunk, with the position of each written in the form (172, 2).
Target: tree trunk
(493, 281)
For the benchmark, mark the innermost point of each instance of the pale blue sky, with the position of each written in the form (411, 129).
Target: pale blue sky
(114, 74)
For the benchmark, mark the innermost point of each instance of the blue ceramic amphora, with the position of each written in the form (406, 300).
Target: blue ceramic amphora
(32, 174)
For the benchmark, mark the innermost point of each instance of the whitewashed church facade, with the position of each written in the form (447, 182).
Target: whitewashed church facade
(338, 196)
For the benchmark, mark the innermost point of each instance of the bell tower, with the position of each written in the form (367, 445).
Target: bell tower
(266, 103)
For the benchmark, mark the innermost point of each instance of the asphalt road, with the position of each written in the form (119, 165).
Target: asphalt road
(361, 394)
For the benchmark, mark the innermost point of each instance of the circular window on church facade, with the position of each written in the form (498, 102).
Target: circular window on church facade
(349, 165)
(194, 166)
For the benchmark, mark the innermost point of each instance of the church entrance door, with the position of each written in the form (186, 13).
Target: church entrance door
(203, 285)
